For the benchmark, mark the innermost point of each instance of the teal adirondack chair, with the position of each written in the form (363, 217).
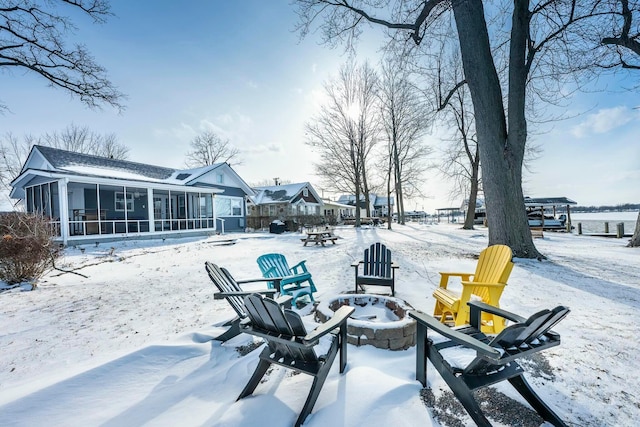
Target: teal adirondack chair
(275, 265)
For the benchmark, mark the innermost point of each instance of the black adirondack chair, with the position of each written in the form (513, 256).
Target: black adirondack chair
(289, 345)
(230, 290)
(496, 357)
(377, 268)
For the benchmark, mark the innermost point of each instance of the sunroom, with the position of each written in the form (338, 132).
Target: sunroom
(101, 209)
(89, 198)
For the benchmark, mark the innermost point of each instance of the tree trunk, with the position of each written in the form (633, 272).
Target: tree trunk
(474, 159)
(500, 160)
(389, 211)
(398, 182)
(635, 239)
(473, 198)
(356, 170)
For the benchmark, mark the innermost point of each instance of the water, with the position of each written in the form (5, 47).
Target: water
(593, 222)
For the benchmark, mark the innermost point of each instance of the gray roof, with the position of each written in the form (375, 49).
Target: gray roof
(350, 199)
(548, 201)
(60, 159)
(284, 193)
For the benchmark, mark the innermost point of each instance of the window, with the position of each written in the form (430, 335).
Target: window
(236, 207)
(120, 202)
(305, 192)
(220, 178)
(228, 206)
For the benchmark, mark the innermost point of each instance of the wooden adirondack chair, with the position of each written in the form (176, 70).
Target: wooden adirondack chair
(230, 290)
(492, 272)
(495, 359)
(275, 266)
(290, 346)
(377, 268)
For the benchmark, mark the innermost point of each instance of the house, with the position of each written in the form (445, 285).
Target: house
(283, 202)
(91, 198)
(334, 211)
(378, 206)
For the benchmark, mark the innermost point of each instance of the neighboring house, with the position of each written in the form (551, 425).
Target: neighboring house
(378, 206)
(336, 211)
(91, 198)
(284, 201)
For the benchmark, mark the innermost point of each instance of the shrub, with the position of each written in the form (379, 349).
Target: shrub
(26, 247)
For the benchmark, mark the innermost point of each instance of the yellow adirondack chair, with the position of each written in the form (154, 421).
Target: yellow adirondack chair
(492, 272)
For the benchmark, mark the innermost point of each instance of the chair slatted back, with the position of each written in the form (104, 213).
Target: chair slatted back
(273, 265)
(225, 283)
(521, 337)
(494, 266)
(267, 315)
(377, 261)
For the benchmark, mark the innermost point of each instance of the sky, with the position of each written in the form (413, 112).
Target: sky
(239, 69)
(134, 348)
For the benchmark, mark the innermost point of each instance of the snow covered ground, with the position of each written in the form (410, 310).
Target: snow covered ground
(128, 343)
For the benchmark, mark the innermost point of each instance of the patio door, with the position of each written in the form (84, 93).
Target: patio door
(160, 206)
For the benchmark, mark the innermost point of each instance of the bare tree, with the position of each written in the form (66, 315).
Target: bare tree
(404, 120)
(540, 36)
(462, 157)
(32, 40)
(626, 42)
(346, 130)
(79, 139)
(208, 148)
(635, 239)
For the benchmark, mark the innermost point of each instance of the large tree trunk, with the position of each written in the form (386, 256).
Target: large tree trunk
(635, 240)
(501, 154)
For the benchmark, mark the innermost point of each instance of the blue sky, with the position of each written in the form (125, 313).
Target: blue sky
(237, 68)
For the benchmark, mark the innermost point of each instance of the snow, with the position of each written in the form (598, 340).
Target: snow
(108, 172)
(127, 341)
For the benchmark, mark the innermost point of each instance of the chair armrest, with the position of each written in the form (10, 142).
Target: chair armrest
(486, 284)
(300, 265)
(394, 265)
(444, 277)
(424, 320)
(448, 274)
(222, 295)
(339, 318)
(477, 307)
(356, 263)
(276, 281)
(284, 301)
(262, 279)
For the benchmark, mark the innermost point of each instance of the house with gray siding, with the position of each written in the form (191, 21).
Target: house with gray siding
(92, 198)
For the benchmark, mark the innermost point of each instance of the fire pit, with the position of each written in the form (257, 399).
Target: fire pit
(380, 321)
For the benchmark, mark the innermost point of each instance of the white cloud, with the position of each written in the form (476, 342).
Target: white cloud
(604, 121)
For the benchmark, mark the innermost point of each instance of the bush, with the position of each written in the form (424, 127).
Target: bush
(26, 247)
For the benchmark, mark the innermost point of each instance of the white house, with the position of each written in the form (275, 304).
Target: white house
(91, 198)
(379, 206)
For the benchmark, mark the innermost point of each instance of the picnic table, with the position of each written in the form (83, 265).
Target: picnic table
(319, 237)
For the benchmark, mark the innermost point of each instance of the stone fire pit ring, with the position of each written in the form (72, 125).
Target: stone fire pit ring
(379, 320)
